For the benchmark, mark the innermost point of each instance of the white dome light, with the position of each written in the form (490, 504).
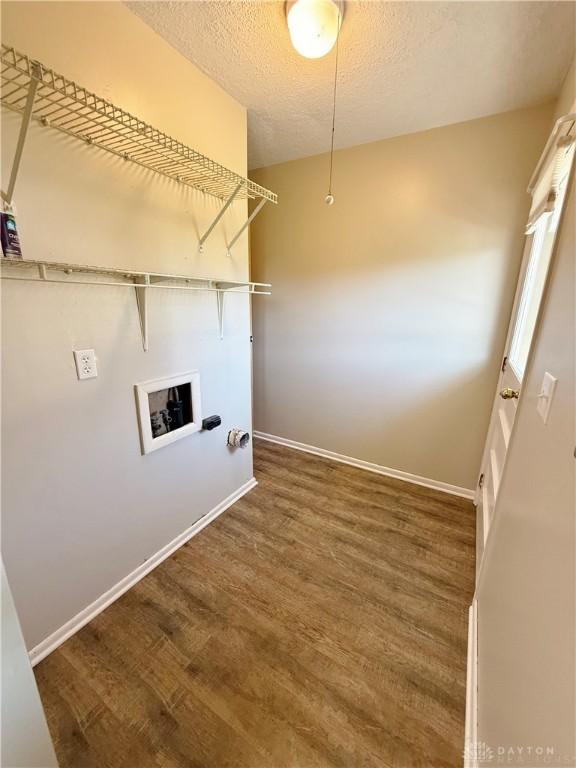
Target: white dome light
(313, 26)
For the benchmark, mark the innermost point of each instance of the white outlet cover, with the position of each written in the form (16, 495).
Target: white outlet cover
(85, 360)
(546, 395)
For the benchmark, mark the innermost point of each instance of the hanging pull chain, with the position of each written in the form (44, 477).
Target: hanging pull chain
(329, 199)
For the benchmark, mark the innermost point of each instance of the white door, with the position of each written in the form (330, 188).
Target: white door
(548, 192)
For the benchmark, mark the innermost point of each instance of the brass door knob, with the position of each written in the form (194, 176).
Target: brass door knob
(509, 394)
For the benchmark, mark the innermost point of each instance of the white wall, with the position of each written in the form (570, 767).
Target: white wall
(527, 586)
(25, 740)
(81, 506)
(383, 338)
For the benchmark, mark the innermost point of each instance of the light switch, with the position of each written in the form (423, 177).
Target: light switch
(546, 395)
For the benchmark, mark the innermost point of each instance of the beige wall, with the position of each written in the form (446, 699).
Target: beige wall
(527, 586)
(81, 507)
(567, 98)
(383, 337)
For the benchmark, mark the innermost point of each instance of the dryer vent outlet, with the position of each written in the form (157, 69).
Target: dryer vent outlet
(238, 439)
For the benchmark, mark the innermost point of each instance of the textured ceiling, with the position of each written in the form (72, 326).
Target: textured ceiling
(404, 66)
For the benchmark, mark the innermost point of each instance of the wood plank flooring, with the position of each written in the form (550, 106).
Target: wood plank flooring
(321, 621)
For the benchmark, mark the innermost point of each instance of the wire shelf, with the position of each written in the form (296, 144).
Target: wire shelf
(55, 271)
(142, 282)
(62, 104)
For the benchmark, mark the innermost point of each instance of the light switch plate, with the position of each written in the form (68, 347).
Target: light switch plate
(85, 363)
(546, 396)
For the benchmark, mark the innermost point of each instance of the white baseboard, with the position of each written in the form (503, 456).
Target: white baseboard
(72, 626)
(397, 474)
(471, 726)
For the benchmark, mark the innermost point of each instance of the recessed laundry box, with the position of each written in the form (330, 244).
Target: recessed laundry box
(168, 409)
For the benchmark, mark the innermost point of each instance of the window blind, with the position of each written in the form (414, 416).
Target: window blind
(552, 174)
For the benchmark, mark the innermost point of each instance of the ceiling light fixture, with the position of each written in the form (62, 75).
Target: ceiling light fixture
(313, 26)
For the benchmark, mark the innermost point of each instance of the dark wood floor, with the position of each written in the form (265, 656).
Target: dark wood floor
(321, 621)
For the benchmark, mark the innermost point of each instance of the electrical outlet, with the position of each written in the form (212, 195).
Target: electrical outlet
(85, 363)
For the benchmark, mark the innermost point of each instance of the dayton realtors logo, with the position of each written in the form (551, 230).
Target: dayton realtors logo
(479, 753)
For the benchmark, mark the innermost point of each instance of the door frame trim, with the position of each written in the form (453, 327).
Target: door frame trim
(471, 722)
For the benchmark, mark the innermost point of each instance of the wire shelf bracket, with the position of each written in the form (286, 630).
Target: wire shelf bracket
(219, 215)
(141, 282)
(220, 305)
(24, 125)
(252, 216)
(38, 93)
